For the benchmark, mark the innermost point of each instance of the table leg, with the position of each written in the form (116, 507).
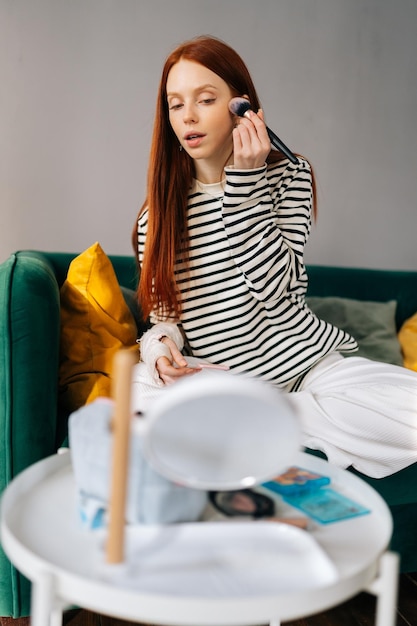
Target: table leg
(57, 616)
(42, 601)
(385, 588)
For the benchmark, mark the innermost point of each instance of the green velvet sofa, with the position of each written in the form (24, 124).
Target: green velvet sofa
(31, 427)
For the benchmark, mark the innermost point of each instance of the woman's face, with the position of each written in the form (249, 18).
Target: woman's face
(199, 115)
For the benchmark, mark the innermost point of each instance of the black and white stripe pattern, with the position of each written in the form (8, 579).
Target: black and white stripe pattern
(242, 296)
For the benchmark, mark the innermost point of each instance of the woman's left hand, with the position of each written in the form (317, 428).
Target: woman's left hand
(251, 144)
(171, 370)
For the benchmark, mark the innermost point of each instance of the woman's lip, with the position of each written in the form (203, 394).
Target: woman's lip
(193, 140)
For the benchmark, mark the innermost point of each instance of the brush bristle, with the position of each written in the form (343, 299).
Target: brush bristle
(239, 106)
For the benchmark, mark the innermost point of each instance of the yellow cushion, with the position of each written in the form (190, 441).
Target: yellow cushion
(95, 323)
(408, 341)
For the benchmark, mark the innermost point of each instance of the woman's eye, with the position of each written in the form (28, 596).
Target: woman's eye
(174, 107)
(208, 100)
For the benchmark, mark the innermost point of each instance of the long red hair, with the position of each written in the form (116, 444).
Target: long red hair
(171, 172)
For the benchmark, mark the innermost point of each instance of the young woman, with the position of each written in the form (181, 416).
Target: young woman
(220, 243)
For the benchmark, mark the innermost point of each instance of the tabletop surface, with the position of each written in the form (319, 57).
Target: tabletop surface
(41, 531)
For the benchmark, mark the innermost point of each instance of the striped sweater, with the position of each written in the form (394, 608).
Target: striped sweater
(242, 295)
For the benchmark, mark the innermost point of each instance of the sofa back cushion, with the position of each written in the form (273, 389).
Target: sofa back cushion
(367, 284)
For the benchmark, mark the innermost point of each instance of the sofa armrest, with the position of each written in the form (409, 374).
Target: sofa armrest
(29, 353)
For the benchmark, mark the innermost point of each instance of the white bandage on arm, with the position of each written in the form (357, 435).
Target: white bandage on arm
(152, 348)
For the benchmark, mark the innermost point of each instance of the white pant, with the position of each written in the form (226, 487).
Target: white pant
(361, 413)
(357, 411)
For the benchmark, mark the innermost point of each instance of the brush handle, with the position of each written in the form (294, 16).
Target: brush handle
(277, 143)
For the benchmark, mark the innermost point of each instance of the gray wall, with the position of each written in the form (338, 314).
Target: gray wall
(78, 81)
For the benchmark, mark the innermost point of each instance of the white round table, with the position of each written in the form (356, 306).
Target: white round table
(192, 582)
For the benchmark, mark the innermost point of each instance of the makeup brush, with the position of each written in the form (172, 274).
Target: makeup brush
(240, 106)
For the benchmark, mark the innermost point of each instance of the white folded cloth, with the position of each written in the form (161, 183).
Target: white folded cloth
(151, 498)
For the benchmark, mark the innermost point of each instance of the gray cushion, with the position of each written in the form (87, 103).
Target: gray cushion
(134, 307)
(372, 324)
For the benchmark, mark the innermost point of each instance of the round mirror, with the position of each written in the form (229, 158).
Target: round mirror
(219, 431)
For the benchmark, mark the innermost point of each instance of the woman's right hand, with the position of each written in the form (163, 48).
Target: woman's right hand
(170, 371)
(251, 143)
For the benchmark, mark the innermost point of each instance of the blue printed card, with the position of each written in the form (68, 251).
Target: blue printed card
(326, 505)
